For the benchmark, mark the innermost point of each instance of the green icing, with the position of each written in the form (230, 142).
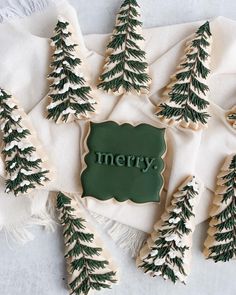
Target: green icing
(124, 162)
(188, 92)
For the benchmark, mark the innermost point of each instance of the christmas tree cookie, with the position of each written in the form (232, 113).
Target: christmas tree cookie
(70, 94)
(185, 100)
(168, 250)
(231, 117)
(220, 244)
(126, 68)
(88, 268)
(25, 162)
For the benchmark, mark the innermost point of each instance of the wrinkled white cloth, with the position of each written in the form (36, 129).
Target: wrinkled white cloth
(24, 61)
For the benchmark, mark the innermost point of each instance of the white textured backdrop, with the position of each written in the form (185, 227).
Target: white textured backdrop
(38, 267)
(97, 16)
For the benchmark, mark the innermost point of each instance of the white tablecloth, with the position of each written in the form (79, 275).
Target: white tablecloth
(38, 267)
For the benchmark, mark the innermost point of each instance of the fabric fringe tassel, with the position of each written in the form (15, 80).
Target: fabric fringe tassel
(20, 233)
(126, 237)
(17, 233)
(22, 8)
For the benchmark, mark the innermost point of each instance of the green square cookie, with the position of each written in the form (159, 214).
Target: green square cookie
(124, 162)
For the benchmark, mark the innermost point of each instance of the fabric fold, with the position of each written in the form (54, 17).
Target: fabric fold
(188, 152)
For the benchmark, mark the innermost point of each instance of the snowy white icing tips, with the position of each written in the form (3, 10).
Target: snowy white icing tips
(220, 244)
(167, 252)
(88, 267)
(70, 94)
(25, 162)
(185, 100)
(126, 68)
(231, 117)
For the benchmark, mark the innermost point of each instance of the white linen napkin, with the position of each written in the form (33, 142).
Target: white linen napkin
(24, 61)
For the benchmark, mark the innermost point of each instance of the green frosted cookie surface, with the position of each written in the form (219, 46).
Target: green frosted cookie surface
(124, 162)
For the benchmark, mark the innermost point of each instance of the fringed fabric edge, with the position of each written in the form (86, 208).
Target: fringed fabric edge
(126, 237)
(20, 232)
(22, 8)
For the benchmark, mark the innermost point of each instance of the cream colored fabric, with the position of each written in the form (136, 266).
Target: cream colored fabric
(189, 152)
(24, 60)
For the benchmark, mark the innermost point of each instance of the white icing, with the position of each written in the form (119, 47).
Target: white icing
(15, 117)
(68, 86)
(79, 74)
(25, 183)
(68, 111)
(177, 210)
(58, 70)
(25, 172)
(69, 42)
(75, 86)
(19, 129)
(194, 184)
(159, 261)
(174, 220)
(10, 145)
(61, 19)
(58, 51)
(154, 252)
(188, 225)
(65, 88)
(3, 124)
(158, 273)
(65, 63)
(10, 104)
(73, 57)
(12, 165)
(172, 237)
(22, 146)
(14, 176)
(172, 254)
(65, 31)
(56, 81)
(179, 243)
(32, 158)
(53, 104)
(148, 260)
(191, 202)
